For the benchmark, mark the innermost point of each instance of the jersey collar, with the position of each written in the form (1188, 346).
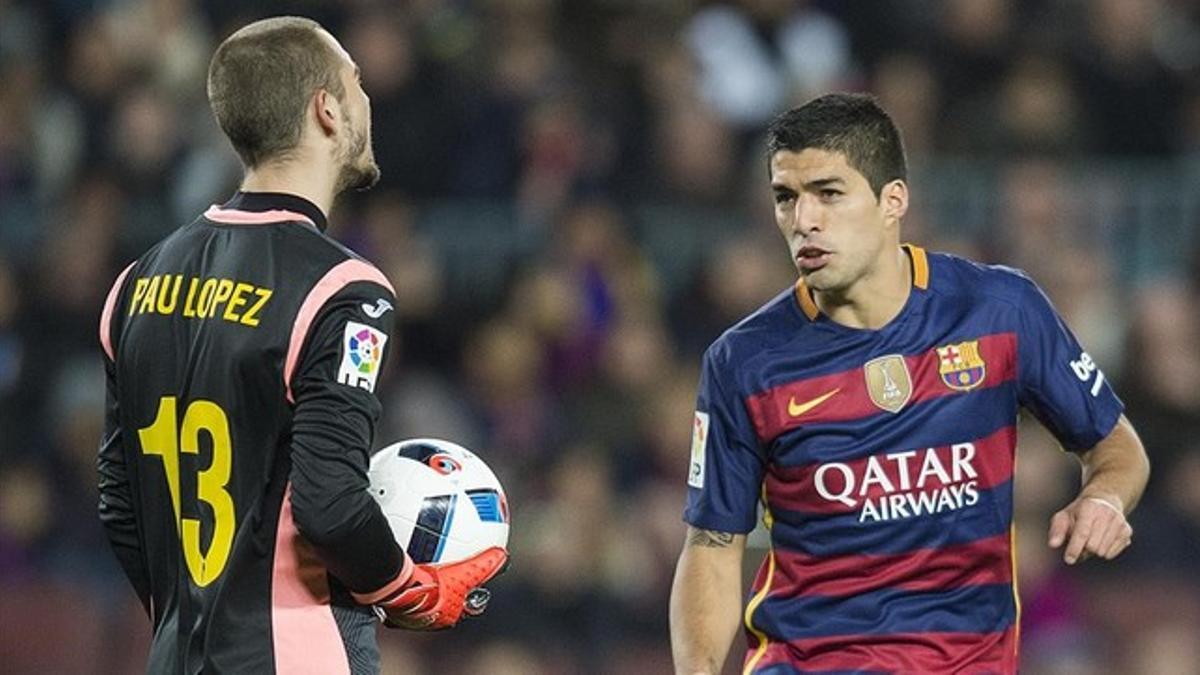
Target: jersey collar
(920, 281)
(261, 202)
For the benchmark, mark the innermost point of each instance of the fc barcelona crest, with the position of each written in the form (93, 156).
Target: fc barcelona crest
(888, 382)
(961, 366)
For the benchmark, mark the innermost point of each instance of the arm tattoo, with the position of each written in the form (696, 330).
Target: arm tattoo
(710, 539)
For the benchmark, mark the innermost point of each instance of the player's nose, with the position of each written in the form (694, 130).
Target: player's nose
(807, 218)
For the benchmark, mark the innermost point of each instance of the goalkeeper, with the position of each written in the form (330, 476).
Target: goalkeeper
(242, 354)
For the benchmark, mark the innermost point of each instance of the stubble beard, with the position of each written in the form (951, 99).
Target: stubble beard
(823, 279)
(831, 281)
(359, 170)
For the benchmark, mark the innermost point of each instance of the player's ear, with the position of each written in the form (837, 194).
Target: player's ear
(893, 199)
(328, 111)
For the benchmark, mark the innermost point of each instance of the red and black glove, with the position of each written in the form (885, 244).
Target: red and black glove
(436, 596)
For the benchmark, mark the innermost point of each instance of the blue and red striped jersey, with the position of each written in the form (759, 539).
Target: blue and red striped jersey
(884, 461)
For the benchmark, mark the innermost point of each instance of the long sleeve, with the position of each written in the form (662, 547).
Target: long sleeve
(117, 514)
(332, 437)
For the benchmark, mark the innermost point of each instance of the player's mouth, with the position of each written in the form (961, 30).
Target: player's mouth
(812, 258)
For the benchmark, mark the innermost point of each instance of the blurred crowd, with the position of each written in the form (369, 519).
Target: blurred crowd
(574, 203)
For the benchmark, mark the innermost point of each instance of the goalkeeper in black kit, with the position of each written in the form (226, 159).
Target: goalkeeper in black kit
(242, 354)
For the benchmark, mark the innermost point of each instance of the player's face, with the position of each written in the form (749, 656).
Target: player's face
(833, 223)
(358, 169)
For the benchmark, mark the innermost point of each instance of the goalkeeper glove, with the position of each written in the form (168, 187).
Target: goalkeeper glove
(437, 596)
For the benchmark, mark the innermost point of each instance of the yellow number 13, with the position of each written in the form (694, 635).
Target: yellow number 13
(160, 439)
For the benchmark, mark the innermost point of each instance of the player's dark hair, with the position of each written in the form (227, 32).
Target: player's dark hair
(260, 80)
(852, 124)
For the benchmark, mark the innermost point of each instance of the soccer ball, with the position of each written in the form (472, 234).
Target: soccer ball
(442, 501)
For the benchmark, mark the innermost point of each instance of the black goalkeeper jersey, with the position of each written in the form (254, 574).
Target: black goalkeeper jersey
(242, 354)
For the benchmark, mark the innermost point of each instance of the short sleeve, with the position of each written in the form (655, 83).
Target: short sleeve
(726, 470)
(1057, 380)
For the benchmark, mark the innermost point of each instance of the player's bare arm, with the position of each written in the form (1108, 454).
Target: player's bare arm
(705, 600)
(709, 538)
(1115, 472)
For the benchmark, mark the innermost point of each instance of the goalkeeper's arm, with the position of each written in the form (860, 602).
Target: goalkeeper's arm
(117, 513)
(333, 429)
(706, 599)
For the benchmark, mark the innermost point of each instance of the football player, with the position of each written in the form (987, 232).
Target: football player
(872, 410)
(242, 355)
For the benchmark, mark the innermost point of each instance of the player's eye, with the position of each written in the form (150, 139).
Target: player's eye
(784, 197)
(829, 194)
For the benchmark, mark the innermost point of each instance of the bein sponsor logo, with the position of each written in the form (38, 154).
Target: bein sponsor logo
(900, 485)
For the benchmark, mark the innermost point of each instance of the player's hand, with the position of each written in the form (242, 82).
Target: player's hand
(438, 595)
(1091, 525)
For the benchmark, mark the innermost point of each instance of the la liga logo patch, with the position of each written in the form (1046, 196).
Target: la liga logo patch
(364, 351)
(699, 443)
(362, 354)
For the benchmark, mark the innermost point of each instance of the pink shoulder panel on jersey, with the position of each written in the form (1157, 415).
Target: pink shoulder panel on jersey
(337, 278)
(238, 217)
(110, 305)
(304, 634)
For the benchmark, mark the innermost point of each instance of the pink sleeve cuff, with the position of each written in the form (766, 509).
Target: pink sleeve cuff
(390, 588)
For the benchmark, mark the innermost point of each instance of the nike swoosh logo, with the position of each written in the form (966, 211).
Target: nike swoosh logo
(378, 309)
(798, 409)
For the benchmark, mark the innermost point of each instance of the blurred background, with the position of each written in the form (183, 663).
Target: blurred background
(574, 204)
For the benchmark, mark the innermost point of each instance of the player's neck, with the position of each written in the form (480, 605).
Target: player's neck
(875, 299)
(298, 177)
